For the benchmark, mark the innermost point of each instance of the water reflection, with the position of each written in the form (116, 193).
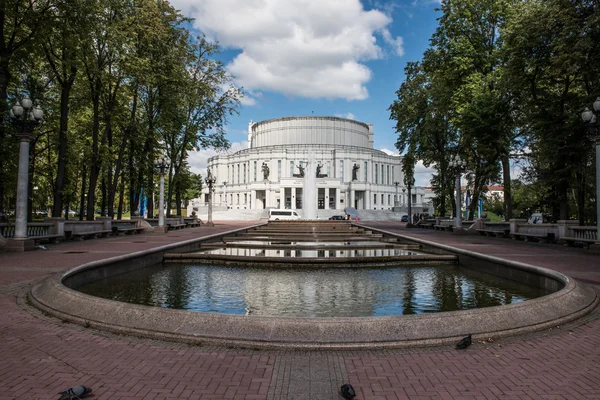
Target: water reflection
(308, 253)
(312, 293)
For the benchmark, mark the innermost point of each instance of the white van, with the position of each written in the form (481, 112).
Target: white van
(276, 215)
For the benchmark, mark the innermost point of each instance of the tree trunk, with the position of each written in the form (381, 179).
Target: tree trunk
(508, 206)
(95, 165)
(104, 195)
(82, 195)
(5, 77)
(61, 178)
(580, 198)
(120, 206)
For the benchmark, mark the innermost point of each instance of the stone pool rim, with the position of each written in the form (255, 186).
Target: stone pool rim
(569, 303)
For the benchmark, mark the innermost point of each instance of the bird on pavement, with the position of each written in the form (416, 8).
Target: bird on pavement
(76, 392)
(464, 343)
(348, 392)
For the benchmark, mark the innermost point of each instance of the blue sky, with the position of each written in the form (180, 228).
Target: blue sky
(341, 58)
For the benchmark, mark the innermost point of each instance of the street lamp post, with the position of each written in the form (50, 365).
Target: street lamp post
(460, 167)
(161, 167)
(210, 181)
(592, 121)
(25, 118)
(396, 199)
(225, 192)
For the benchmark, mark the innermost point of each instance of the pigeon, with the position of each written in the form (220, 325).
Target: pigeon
(348, 392)
(42, 247)
(464, 343)
(76, 392)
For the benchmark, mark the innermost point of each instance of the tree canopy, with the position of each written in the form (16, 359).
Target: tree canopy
(122, 84)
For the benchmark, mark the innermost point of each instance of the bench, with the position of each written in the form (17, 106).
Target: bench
(127, 231)
(585, 243)
(426, 225)
(192, 224)
(442, 227)
(535, 237)
(46, 238)
(87, 234)
(175, 226)
(494, 232)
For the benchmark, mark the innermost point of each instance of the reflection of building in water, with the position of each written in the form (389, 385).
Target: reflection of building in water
(284, 293)
(352, 172)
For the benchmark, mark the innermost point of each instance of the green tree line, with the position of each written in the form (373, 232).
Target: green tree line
(122, 83)
(507, 80)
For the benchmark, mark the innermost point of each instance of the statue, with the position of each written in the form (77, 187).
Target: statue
(301, 168)
(355, 169)
(265, 171)
(319, 166)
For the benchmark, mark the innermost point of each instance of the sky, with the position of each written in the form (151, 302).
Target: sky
(342, 58)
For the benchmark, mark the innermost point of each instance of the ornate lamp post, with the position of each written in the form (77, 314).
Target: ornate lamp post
(396, 199)
(460, 166)
(161, 167)
(210, 181)
(25, 118)
(592, 121)
(403, 196)
(225, 192)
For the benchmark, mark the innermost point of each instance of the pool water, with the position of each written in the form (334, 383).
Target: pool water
(335, 292)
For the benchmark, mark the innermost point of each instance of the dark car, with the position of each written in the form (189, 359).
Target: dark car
(404, 218)
(337, 218)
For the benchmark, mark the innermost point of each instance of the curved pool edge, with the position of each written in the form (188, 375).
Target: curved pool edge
(573, 301)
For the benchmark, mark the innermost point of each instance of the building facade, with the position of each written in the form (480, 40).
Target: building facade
(270, 172)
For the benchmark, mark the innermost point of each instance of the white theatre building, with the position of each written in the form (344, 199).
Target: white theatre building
(269, 173)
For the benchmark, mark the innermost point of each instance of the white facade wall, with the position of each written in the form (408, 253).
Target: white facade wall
(336, 143)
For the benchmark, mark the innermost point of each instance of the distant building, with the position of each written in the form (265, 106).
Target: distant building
(268, 174)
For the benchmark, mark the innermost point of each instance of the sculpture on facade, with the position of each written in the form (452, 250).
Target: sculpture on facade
(300, 174)
(355, 169)
(265, 171)
(319, 174)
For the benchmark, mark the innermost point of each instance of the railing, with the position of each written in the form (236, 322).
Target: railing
(33, 229)
(584, 232)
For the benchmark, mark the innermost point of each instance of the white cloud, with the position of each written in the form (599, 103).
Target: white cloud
(347, 116)
(397, 43)
(297, 47)
(198, 160)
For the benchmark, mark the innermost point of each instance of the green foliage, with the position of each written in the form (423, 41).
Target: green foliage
(502, 79)
(121, 84)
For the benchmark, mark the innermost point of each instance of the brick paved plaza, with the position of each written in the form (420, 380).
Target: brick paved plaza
(41, 356)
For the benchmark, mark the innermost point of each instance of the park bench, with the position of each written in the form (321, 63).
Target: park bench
(442, 227)
(126, 227)
(573, 241)
(172, 227)
(52, 238)
(534, 237)
(191, 222)
(494, 232)
(87, 234)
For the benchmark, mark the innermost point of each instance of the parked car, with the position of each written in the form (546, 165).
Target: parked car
(337, 218)
(404, 218)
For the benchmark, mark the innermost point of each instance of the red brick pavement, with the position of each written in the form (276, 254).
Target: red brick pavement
(40, 356)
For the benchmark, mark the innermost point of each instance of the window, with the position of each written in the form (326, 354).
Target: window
(244, 172)
(389, 199)
(366, 171)
(278, 169)
(382, 203)
(374, 199)
(291, 168)
(255, 171)
(376, 173)
(342, 170)
(329, 169)
(238, 174)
